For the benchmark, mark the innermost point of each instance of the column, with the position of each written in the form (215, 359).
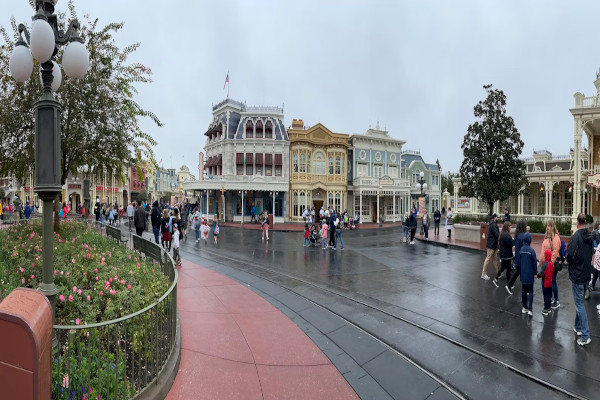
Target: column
(394, 204)
(378, 212)
(550, 191)
(577, 175)
(360, 203)
(273, 204)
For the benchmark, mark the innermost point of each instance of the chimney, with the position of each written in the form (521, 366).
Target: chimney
(297, 124)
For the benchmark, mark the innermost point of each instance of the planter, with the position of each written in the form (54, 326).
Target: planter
(466, 232)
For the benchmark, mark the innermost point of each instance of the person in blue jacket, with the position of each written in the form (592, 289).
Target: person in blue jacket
(528, 263)
(521, 229)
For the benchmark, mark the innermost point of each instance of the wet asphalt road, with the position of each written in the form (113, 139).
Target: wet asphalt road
(406, 293)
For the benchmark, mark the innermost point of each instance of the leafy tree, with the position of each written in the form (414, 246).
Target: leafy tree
(447, 181)
(143, 196)
(100, 117)
(167, 197)
(491, 169)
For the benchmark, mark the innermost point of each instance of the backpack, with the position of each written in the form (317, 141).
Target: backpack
(563, 248)
(166, 226)
(336, 222)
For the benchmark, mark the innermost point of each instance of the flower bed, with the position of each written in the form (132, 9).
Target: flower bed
(96, 280)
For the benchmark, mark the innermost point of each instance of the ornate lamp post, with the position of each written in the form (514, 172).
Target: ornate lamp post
(273, 194)
(422, 186)
(86, 191)
(44, 40)
(243, 193)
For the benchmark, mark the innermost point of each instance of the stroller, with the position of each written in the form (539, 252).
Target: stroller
(354, 222)
(313, 236)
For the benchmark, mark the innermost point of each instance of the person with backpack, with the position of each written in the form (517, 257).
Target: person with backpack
(204, 231)
(215, 231)
(176, 256)
(528, 263)
(405, 227)
(165, 229)
(546, 276)
(518, 241)
(412, 224)
(425, 221)
(139, 220)
(552, 242)
(579, 257)
(506, 254)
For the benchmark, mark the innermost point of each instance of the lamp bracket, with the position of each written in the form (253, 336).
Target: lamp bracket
(22, 29)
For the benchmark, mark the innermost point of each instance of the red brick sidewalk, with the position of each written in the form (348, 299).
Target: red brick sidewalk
(299, 226)
(236, 345)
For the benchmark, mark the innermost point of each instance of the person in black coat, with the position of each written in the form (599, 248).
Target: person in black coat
(412, 224)
(437, 217)
(506, 254)
(155, 220)
(492, 247)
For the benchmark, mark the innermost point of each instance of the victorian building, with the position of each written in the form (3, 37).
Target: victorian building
(318, 174)
(378, 190)
(412, 167)
(246, 163)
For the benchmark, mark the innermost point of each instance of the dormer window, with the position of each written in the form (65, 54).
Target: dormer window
(268, 130)
(259, 129)
(249, 129)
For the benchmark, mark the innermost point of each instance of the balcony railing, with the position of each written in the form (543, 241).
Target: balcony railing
(370, 181)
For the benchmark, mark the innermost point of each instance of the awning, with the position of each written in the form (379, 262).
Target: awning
(219, 160)
(268, 159)
(259, 159)
(278, 159)
(239, 158)
(209, 163)
(249, 158)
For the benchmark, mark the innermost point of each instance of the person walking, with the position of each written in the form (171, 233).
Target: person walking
(204, 231)
(215, 231)
(579, 257)
(97, 211)
(552, 242)
(306, 233)
(165, 230)
(253, 214)
(405, 227)
(492, 247)
(506, 215)
(176, 256)
(265, 225)
(546, 276)
(444, 210)
(332, 229)
(111, 216)
(412, 224)
(196, 221)
(425, 221)
(528, 262)
(338, 235)
(449, 222)
(155, 221)
(139, 220)
(437, 217)
(518, 242)
(27, 211)
(324, 233)
(596, 238)
(506, 254)
(130, 212)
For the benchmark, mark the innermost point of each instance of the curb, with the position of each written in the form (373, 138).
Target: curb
(451, 246)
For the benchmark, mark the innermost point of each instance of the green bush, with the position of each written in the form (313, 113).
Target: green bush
(536, 226)
(589, 219)
(564, 228)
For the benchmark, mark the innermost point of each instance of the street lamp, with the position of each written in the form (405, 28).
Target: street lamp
(422, 186)
(243, 193)
(43, 43)
(273, 194)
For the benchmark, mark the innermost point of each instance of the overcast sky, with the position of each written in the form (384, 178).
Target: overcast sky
(418, 67)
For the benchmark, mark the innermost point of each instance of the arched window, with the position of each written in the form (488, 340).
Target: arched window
(259, 129)
(319, 164)
(338, 203)
(330, 165)
(338, 165)
(330, 204)
(295, 163)
(268, 130)
(308, 163)
(302, 163)
(249, 129)
(302, 203)
(295, 203)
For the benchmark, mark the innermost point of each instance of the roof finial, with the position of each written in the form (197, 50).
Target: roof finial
(377, 127)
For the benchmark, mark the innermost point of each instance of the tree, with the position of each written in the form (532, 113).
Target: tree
(167, 197)
(100, 115)
(143, 196)
(447, 181)
(491, 169)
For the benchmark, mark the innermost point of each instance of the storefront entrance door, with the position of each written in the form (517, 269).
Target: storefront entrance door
(318, 205)
(375, 210)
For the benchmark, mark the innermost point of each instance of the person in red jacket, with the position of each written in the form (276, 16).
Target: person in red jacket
(546, 277)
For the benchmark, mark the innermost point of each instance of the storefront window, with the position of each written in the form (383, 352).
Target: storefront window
(302, 163)
(302, 203)
(250, 169)
(268, 170)
(278, 170)
(330, 165)
(295, 205)
(279, 206)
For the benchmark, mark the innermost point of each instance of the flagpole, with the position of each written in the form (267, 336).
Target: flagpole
(228, 84)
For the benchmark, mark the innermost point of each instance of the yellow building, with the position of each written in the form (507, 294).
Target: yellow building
(318, 174)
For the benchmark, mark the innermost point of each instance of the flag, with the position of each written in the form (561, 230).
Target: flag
(226, 81)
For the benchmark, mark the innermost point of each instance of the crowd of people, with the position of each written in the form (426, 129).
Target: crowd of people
(329, 228)
(518, 259)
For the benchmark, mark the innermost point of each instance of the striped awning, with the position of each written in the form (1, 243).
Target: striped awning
(239, 158)
(259, 159)
(249, 158)
(278, 159)
(268, 159)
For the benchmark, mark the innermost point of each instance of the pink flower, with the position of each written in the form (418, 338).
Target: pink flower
(129, 287)
(55, 272)
(95, 269)
(116, 278)
(88, 255)
(96, 278)
(22, 270)
(62, 298)
(23, 245)
(101, 294)
(32, 276)
(70, 298)
(84, 274)
(62, 273)
(110, 279)
(107, 284)
(68, 273)
(113, 292)
(79, 292)
(74, 288)
(77, 321)
(33, 264)
(23, 280)
(122, 281)
(73, 260)
(152, 270)
(138, 265)
(103, 259)
(89, 298)
(66, 381)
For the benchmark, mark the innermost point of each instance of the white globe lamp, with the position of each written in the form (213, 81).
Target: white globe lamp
(75, 60)
(42, 40)
(56, 77)
(20, 63)
(424, 186)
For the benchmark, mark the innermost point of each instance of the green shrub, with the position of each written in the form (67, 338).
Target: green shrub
(536, 226)
(589, 219)
(564, 228)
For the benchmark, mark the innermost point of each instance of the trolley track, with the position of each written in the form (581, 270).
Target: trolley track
(254, 269)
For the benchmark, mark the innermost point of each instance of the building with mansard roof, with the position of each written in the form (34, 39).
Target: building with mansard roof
(246, 163)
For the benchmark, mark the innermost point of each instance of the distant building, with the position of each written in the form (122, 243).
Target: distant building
(412, 166)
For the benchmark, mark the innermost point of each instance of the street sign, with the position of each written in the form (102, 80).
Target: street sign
(594, 180)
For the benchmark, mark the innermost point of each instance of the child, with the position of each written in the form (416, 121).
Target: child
(204, 231)
(176, 256)
(324, 234)
(546, 276)
(111, 216)
(305, 235)
(216, 231)
(528, 263)
(405, 227)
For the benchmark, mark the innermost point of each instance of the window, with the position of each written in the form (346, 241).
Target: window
(295, 163)
(330, 165)
(378, 171)
(416, 176)
(278, 170)
(362, 169)
(268, 170)
(302, 163)
(279, 206)
(295, 204)
(268, 130)
(319, 165)
(302, 203)
(393, 171)
(308, 163)
(338, 165)
(240, 169)
(330, 204)
(249, 169)
(259, 169)
(338, 203)
(249, 129)
(259, 129)
(238, 205)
